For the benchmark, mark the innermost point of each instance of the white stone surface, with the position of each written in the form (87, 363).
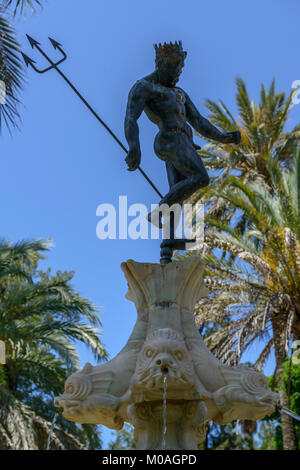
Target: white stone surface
(165, 341)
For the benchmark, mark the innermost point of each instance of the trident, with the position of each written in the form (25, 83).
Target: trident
(53, 65)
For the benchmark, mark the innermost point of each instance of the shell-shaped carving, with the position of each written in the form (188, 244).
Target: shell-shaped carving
(180, 282)
(78, 387)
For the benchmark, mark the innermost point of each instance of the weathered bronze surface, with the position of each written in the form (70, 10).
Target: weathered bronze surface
(171, 109)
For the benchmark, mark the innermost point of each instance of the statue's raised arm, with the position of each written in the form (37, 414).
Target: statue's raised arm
(205, 128)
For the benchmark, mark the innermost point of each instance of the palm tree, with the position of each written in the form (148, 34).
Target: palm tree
(262, 130)
(23, 429)
(41, 316)
(257, 283)
(11, 72)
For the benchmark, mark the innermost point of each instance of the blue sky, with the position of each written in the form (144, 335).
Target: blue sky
(63, 164)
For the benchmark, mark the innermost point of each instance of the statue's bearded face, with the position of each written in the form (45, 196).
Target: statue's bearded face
(169, 71)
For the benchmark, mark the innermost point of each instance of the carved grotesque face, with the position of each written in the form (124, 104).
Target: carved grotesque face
(164, 354)
(169, 71)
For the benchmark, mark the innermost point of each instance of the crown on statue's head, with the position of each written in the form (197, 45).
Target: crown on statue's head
(169, 51)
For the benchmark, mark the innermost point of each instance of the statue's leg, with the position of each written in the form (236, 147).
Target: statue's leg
(173, 175)
(173, 178)
(186, 171)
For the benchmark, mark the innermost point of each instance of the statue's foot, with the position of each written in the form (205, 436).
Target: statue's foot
(176, 243)
(169, 245)
(163, 212)
(155, 217)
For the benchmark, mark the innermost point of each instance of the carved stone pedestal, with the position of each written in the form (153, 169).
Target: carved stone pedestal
(165, 343)
(184, 424)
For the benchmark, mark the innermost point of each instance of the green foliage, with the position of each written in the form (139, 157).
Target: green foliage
(123, 439)
(252, 235)
(11, 63)
(260, 278)
(291, 385)
(291, 380)
(41, 318)
(10, 72)
(21, 6)
(227, 437)
(263, 135)
(268, 435)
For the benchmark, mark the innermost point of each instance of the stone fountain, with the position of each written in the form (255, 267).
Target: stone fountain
(165, 345)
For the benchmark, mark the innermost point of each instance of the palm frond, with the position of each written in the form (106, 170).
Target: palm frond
(11, 73)
(21, 6)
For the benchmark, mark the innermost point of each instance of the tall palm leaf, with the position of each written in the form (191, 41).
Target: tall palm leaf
(11, 73)
(262, 127)
(22, 428)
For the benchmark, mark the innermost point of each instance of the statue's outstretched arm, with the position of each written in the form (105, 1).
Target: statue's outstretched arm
(205, 128)
(136, 102)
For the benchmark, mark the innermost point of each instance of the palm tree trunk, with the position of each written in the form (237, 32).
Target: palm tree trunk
(287, 423)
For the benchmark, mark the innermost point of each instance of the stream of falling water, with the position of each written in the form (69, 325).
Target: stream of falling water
(164, 429)
(51, 431)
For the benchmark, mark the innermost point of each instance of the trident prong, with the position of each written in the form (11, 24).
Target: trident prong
(34, 43)
(58, 46)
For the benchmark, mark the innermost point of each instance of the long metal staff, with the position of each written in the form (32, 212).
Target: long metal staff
(288, 412)
(57, 45)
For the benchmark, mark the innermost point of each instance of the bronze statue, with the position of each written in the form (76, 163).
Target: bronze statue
(171, 109)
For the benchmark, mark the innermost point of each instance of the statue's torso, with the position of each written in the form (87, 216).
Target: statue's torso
(166, 108)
